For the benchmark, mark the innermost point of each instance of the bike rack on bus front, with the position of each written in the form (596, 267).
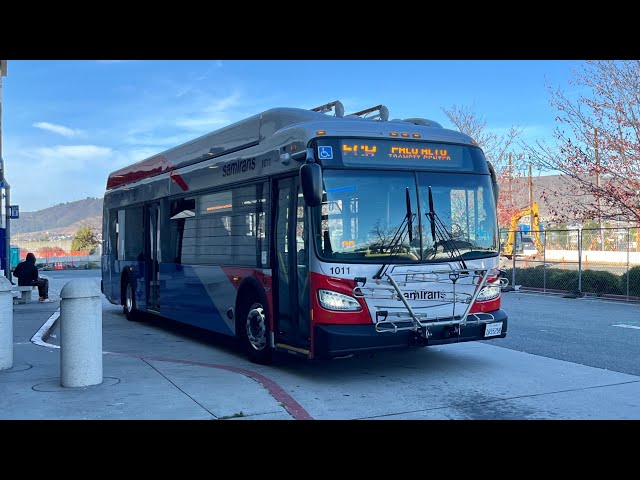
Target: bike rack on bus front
(408, 317)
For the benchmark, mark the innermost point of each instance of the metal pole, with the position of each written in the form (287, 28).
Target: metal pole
(544, 264)
(628, 248)
(530, 195)
(513, 256)
(2, 73)
(579, 259)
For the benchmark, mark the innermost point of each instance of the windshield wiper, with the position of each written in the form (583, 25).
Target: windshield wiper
(439, 229)
(405, 227)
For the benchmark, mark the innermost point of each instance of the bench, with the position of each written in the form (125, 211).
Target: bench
(24, 294)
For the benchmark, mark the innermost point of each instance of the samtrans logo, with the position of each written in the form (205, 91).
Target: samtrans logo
(239, 166)
(424, 295)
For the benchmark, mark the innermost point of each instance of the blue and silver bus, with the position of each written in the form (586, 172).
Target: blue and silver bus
(311, 232)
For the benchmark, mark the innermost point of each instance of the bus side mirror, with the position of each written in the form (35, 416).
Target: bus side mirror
(311, 181)
(494, 182)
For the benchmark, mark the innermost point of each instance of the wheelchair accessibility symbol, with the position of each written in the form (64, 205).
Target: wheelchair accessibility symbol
(325, 153)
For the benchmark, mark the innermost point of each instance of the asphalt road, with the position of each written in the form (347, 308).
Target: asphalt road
(581, 330)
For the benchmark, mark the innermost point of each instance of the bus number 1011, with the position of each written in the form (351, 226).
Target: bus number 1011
(339, 270)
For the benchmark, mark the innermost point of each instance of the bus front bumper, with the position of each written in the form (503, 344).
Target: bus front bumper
(342, 340)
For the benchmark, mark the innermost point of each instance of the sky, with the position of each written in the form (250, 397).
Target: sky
(67, 124)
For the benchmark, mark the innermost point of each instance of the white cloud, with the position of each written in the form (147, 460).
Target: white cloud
(185, 119)
(65, 158)
(225, 103)
(60, 129)
(212, 116)
(200, 122)
(46, 176)
(74, 152)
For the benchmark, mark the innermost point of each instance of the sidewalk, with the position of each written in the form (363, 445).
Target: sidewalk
(157, 383)
(157, 369)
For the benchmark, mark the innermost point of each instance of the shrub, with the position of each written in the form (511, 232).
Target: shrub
(593, 281)
(602, 282)
(562, 279)
(634, 282)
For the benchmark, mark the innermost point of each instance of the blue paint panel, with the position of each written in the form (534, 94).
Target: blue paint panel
(184, 298)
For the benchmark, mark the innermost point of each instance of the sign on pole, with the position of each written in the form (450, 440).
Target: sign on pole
(15, 211)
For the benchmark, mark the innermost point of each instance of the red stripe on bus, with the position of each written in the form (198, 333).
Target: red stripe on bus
(179, 180)
(138, 171)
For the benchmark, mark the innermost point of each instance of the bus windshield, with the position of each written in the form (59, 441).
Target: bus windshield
(365, 217)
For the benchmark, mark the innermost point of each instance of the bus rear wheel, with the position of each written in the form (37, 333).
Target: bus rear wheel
(129, 308)
(254, 325)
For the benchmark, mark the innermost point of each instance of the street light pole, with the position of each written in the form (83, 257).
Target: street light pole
(3, 73)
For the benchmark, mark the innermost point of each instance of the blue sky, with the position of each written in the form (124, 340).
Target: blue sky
(67, 124)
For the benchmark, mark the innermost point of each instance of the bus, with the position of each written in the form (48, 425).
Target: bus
(311, 232)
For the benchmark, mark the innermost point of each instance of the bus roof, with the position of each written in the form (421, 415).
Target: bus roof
(254, 130)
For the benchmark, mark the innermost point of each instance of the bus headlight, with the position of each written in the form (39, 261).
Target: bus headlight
(488, 293)
(337, 301)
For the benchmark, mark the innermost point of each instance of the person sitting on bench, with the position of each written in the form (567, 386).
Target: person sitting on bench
(27, 274)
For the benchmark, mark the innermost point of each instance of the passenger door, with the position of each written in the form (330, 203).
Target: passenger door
(291, 296)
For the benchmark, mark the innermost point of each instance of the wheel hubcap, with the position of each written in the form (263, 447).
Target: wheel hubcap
(129, 299)
(256, 327)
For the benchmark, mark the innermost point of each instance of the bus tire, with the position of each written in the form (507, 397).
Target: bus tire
(130, 307)
(253, 325)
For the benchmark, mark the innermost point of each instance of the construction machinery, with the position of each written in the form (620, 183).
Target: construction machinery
(508, 247)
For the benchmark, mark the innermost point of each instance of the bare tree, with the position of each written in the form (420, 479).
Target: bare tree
(382, 233)
(509, 167)
(597, 143)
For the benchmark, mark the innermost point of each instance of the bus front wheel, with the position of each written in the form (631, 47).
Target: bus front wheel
(254, 325)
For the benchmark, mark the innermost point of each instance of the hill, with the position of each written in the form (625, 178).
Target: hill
(58, 222)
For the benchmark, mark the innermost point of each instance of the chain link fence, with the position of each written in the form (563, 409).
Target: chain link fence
(596, 261)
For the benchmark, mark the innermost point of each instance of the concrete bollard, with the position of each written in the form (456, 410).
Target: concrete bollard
(6, 324)
(80, 334)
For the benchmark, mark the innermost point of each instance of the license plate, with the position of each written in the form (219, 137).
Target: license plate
(493, 329)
